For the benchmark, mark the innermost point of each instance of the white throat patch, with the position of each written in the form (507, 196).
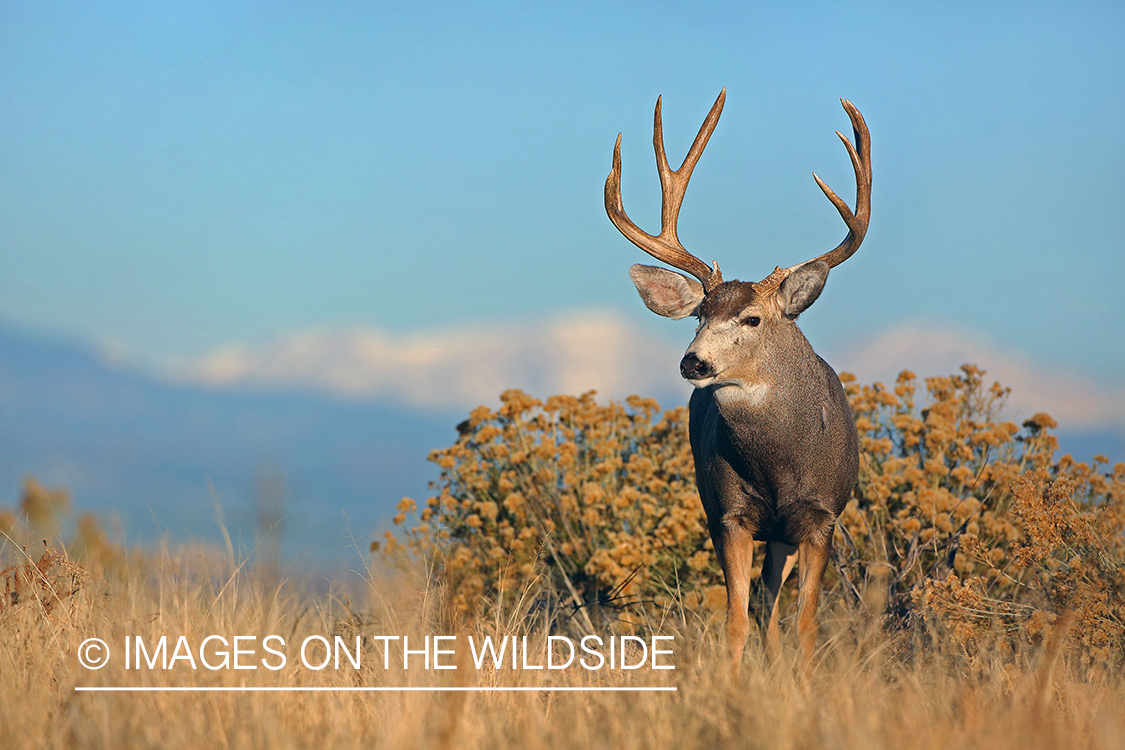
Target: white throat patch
(750, 394)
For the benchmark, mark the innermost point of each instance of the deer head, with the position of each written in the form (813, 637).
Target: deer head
(736, 319)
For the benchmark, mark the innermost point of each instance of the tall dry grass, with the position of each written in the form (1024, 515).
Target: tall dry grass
(934, 634)
(862, 694)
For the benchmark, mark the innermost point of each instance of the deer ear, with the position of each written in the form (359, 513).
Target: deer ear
(665, 292)
(801, 288)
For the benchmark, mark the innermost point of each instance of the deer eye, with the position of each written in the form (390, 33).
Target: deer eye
(753, 320)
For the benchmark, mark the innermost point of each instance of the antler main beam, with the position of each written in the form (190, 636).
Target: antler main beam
(857, 220)
(666, 246)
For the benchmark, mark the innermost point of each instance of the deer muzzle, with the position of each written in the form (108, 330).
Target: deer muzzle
(694, 368)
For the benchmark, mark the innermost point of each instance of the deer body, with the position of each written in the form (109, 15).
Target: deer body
(778, 463)
(774, 441)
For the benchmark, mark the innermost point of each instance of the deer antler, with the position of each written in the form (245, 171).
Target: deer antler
(857, 221)
(666, 246)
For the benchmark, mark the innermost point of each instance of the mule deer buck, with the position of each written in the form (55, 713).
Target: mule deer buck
(774, 441)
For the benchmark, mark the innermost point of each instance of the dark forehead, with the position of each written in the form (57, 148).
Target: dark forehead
(727, 300)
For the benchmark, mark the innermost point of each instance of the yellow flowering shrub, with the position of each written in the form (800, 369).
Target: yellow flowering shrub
(42, 512)
(959, 520)
(971, 524)
(592, 505)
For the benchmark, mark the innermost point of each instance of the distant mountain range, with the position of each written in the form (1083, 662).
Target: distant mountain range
(159, 456)
(337, 428)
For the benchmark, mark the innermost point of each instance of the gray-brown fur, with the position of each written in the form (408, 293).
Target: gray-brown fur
(775, 445)
(783, 469)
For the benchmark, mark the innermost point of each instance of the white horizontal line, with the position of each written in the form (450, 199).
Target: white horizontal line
(223, 689)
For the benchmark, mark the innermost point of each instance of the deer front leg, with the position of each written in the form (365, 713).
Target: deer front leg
(780, 559)
(813, 559)
(735, 547)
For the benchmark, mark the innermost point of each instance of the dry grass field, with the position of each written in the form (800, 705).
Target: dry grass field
(977, 599)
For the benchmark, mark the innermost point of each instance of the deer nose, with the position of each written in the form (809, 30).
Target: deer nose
(694, 368)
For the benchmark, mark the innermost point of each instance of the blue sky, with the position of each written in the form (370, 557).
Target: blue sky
(177, 176)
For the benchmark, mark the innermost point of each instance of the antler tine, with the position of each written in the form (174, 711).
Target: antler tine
(861, 162)
(856, 221)
(666, 246)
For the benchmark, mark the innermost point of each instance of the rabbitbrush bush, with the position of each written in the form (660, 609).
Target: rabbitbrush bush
(970, 524)
(584, 503)
(959, 521)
